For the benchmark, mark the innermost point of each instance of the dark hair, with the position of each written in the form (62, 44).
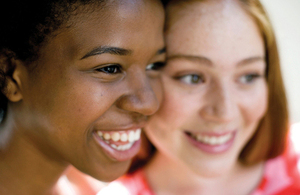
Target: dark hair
(26, 26)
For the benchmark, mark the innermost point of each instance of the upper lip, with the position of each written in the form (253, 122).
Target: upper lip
(211, 133)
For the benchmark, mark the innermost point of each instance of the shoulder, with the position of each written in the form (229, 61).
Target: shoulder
(129, 184)
(282, 174)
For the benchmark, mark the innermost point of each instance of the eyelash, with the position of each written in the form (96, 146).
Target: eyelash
(116, 68)
(110, 69)
(191, 79)
(155, 66)
(249, 78)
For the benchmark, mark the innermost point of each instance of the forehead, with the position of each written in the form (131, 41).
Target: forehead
(110, 8)
(212, 26)
(115, 23)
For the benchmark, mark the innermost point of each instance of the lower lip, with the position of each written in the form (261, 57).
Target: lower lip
(116, 154)
(212, 149)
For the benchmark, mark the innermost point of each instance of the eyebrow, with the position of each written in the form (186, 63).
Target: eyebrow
(199, 59)
(251, 60)
(208, 62)
(115, 51)
(107, 49)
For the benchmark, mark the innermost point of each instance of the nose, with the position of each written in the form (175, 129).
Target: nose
(220, 104)
(139, 96)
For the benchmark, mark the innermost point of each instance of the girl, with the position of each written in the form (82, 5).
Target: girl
(78, 82)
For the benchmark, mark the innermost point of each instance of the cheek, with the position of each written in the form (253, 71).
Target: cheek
(82, 102)
(71, 106)
(255, 105)
(175, 109)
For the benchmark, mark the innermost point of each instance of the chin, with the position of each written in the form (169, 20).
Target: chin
(212, 169)
(110, 172)
(210, 173)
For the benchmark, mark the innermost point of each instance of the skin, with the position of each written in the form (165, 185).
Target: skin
(58, 103)
(214, 82)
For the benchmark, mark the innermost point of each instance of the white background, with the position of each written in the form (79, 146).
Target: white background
(285, 17)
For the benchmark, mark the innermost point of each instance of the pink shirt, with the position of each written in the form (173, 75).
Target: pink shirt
(281, 177)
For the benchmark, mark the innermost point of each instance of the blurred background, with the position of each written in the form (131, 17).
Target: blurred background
(285, 17)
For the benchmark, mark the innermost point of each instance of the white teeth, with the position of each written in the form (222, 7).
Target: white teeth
(213, 140)
(124, 137)
(137, 134)
(115, 136)
(114, 146)
(131, 136)
(122, 147)
(199, 138)
(100, 133)
(106, 136)
(206, 139)
(224, 138)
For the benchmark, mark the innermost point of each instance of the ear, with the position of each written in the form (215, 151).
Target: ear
(13, 81)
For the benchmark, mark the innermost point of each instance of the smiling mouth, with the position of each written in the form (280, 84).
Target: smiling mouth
(210, 139)
(120, 140)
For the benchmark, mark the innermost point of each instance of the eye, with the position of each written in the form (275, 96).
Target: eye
(111, 69)
(155, 66)
(192, 79)
(249, 78)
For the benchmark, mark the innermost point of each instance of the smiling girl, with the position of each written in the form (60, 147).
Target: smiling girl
(222, 127)
(79, 79)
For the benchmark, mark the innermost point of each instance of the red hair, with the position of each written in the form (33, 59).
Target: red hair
(270, 138)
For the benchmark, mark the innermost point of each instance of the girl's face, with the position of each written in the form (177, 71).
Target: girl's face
(93, 87)
(214, 83)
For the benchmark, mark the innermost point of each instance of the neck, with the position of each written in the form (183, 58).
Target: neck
(167, 176)
(24, 168)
